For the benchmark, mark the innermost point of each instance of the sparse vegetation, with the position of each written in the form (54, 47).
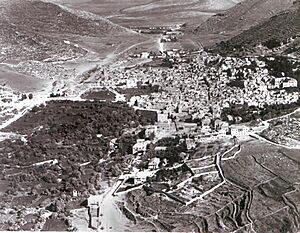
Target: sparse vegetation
(271, 33)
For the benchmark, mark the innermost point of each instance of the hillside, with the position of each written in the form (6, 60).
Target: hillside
(241, 17)
(271, 33)
(38, 30)
(51, 18)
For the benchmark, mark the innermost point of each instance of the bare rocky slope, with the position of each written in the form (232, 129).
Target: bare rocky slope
(36, 30)
(242, 16)
(276, 30)
(47, 17)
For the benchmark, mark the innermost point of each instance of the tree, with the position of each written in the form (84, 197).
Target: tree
(141, 134)
(151, 136)
(23, 97)
(272, 43)
(176, 110)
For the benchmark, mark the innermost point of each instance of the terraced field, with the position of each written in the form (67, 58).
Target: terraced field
(256, 195)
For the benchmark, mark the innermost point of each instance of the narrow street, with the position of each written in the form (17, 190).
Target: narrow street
(111, 217)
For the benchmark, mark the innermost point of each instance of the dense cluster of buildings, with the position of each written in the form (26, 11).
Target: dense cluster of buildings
(196, 93)
(246, 81)
(167, 55)
(191, 100)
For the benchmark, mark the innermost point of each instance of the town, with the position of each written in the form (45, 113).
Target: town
(194, 102)
(193, 112)
(150, 116)
(198, 97)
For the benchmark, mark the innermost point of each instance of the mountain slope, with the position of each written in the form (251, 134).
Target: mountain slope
(18, 45)
(239, 18)
(51, 18)
(277, 29)
(37, 30)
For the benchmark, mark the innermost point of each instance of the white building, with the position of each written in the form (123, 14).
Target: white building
(160, 148)
(289, 82)
(153, 164)
(166, 127)
(120, 98)
(141, 176)
(145, 55)
(190, 143)
(140, 146)
(284, 82)
(162, 118)
(239, 131)
(75, 193)
(150, 130)
(93, 201)
(188, 126)
(94, 211)
(130, 83)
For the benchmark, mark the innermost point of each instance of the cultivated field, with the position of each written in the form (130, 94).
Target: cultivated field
(257, 193)
(146, 12)
(131, 13)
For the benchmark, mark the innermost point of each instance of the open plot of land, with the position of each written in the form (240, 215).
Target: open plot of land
(292, 154)
(99, 95)
(103, 7)
(240, 17)
(259, 162)
(158, 5)
(131, 13)
(205, 151)
(172, 12)
(20, 82)
(284, 131)
(268, 175)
